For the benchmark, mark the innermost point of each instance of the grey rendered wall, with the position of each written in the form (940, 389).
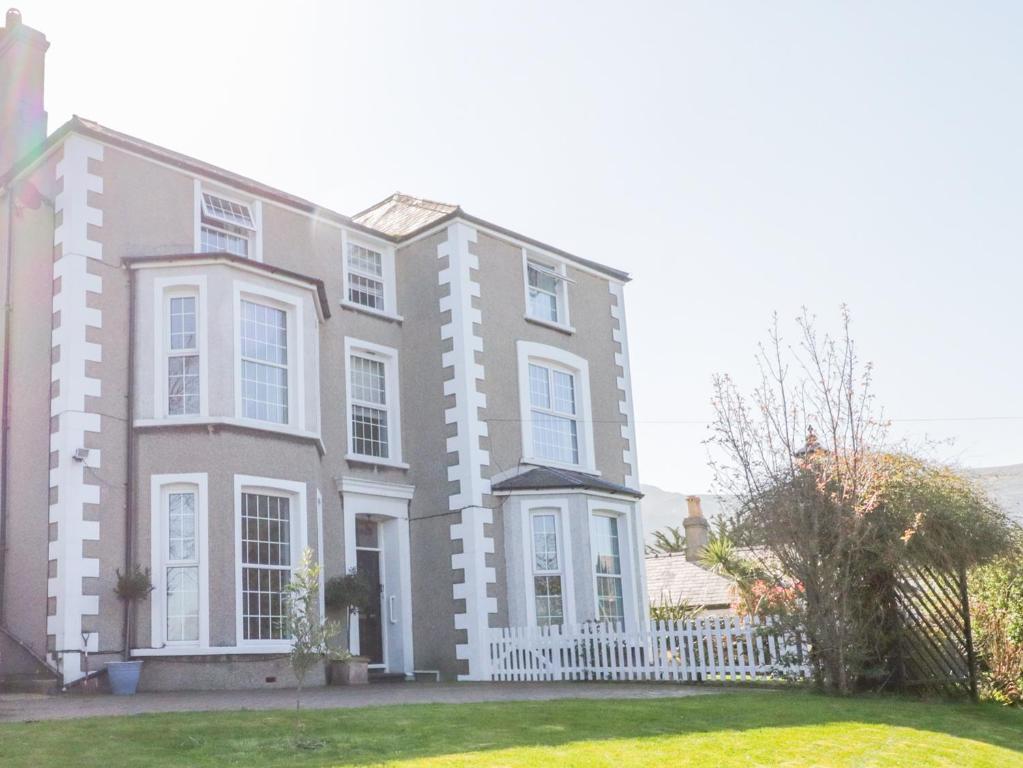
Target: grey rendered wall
(25, 598)
(300, 243)
(423, 404)
(503, 306)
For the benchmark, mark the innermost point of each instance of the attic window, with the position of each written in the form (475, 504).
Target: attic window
(546, 292)
(227, 226)
(227, 212)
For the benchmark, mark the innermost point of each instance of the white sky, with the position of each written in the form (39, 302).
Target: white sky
(736, 158)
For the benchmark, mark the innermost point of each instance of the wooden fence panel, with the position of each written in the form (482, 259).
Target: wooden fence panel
(725, 649)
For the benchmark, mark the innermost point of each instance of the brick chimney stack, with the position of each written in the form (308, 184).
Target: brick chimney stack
(697, 529)
(22, 117)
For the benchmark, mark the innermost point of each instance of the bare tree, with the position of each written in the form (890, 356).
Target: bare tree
(825, 499)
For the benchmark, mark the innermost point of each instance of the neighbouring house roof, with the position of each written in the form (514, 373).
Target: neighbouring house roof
(401, 215)
(397, 215)
(670, 577)
(549, 478)
(313, 282)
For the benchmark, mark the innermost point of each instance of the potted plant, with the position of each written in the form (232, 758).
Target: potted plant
(132, 586)
(347, 595)
(345, 669)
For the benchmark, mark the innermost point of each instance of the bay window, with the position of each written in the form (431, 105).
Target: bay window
(179, 551)
(183, 356)
(266, 565)
(182, 567)
(547, 564)
(271, 532)
(264, 362)
(607, 568)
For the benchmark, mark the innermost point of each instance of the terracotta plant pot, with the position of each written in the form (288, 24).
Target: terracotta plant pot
(353, 671)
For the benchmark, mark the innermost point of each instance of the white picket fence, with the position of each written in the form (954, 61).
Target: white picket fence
(721, 648)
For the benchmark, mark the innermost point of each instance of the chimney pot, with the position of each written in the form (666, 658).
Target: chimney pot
(697, 529)
(695, 508)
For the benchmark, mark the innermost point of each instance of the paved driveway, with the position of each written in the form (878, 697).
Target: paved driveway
(24, 707)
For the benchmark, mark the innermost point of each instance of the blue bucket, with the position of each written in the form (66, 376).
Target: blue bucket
(124, 677)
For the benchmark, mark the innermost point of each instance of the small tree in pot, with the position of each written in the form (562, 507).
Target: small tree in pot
(347, 595)
(132, 586)
(309, 633)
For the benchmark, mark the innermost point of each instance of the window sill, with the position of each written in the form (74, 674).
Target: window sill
(372, 312)
(195, 650)
(262, 426)
(375, 461)
(561, 465)
(566, 329)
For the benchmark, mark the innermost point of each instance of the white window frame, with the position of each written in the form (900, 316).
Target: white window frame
(634, 602)
(559, 509)
(388, 278)
(558, 269)
(296, 492)
(389, 357)
(164, 289)
(255, 207)
(292, 306)
(554, 357)
(161, 486)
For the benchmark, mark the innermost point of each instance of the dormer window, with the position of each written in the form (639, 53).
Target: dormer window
(227, 226)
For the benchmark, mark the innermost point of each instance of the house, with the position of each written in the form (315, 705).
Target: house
(674, 577)
(204, 376)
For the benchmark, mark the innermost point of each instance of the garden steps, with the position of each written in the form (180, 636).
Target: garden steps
(28, 683)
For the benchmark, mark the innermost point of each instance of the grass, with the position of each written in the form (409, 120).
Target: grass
(735, 729)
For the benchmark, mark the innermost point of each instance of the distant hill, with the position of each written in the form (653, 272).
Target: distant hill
(1005, 484)
(663, 508)
(666, 508)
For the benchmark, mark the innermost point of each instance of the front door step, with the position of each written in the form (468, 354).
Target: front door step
(380, 676)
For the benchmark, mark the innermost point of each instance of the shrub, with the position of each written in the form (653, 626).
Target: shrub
(350, 593)
(996, 597)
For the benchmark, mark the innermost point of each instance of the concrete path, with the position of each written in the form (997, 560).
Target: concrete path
(28, 707)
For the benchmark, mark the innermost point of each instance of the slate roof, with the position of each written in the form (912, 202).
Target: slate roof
(401, 215)
(395, 219)
(671, 577)
(549, 478)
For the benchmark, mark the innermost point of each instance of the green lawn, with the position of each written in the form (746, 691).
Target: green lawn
(738, 729)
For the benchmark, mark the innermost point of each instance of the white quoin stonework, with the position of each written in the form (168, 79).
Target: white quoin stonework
(465, 444)
(620, 337)
(72, 485)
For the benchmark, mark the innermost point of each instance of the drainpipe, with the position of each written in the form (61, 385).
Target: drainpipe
(129, 482)
(5, 420)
